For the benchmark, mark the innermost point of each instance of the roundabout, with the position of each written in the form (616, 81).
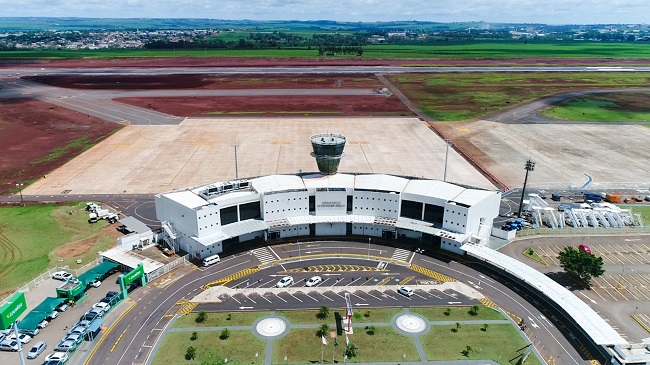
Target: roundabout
(410, 323)
(271, 327)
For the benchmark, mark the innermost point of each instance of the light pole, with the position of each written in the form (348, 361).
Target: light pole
(530, 166)
(236, 144)
(369, 248)
(449, 144)
(20, 190)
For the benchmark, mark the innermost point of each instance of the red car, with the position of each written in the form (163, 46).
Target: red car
(584, 248)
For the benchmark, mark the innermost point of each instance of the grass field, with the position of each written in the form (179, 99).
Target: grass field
(622, 107)
(309, 316)
(449, 50)
(30, 237)
(386, 345)
(463, 96)
(500, 343)
(457, 313)
(239, 348)
(644, 210)
(220, 319)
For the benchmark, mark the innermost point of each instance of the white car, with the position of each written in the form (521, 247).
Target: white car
(104, 306)
(43, 324)
(9, 345)
(59, 356)
(62, 275)
(314, 281)
(53, 315)
(95, 283)
(284, 282)
(62, 308)
(21, 336)
(405, 290)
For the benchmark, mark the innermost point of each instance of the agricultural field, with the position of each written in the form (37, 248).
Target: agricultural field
(466, 96)
(35, 238)
(621, 107)
(34, 143)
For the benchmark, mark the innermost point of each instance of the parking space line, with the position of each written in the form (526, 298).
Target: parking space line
(310, 297)
(365, 282)
(604, 289)
(416, 294)
(606, 258)
(268, 282)
(549, 256)
(618, 253)
(642, 252)
(433, 295)
(379, 299)
(235, 299)
(644, 278)
(613, 287)
(392, 297)
(282, 299)
(641, 285)
(295, 297)
(326, 297)
(249, 298)
(635, 255)
(630, 284)
(265, 298)
(593, 289)
(364, 299)
(620, 285)
(359, 278)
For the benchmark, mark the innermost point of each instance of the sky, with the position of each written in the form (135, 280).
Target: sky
(503, 11)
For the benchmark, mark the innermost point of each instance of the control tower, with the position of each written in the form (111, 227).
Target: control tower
(328, 151)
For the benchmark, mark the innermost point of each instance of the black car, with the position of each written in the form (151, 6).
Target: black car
(111, 294)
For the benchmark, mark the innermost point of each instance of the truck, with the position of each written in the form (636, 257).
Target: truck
(92, 218)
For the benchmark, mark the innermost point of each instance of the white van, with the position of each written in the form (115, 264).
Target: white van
(211, 260)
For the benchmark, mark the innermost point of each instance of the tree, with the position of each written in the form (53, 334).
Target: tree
(581, 265)
(323, 330)
(194, 336)
(323, 312)
(456, 328)
(485, 327)
(474, 310)
(371, 330)
(467, 351)
(448, 312)
(351, 350)
(224, 334)
(190, 353)
(201, 317)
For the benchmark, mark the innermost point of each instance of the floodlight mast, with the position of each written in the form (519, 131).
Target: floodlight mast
(530, 166)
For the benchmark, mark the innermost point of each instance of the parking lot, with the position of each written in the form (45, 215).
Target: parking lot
(57, 328)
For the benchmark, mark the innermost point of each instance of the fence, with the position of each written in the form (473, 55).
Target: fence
(184, 260)
(582, 231)
(32, 284)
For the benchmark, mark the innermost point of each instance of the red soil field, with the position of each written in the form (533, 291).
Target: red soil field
(37, 137)
(256, 106)
(210, 82)
(283, 62)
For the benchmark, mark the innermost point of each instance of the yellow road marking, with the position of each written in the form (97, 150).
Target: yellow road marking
(101, 340)
(385, 281)
(613, 287)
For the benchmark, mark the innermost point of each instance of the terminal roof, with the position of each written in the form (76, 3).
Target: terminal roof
(591, 323)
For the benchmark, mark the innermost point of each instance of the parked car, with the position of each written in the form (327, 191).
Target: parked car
(53, 315)
(36, 350)
(111, 294)
(62, 307)
(43, 324)
(9, 345)
(76, 337)
(95, 283)
(24, 338)
(62, 275)
(52, 362)
(284, 282)
(83, 323)
(584, 248)
(65, 346)
(103, 306)
(77, 329)
(405, 290)
(60, 356)
(31, 333)
(314, 281)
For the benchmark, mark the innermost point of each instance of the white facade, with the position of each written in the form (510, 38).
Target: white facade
(201, 220)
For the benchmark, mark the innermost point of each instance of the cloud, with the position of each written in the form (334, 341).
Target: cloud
(533, 11)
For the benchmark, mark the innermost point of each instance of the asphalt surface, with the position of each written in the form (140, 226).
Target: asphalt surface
(150, 309)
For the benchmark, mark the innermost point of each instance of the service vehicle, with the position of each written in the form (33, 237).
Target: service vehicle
(211, 260)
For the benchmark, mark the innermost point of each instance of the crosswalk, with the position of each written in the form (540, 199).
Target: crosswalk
(401, 254)
(264, 254)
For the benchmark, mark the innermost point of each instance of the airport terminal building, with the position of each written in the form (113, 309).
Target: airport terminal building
(204, 220)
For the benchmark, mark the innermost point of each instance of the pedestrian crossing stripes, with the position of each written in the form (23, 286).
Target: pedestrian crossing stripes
(263, 254)
(229, 278)
(187, 307)
(401, 254)
(432, 274)
(331, 268)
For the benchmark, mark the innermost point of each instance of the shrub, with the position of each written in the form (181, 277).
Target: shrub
(190, 353)
(224, 334)
(194, 336)
(201, 317)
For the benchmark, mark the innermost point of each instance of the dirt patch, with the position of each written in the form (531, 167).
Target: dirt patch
(373, 105)
(309, 62)
(210, 82)
(80, 247)
(37, 137)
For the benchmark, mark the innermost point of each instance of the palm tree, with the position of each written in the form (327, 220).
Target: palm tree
(323, 312)
(323, 330)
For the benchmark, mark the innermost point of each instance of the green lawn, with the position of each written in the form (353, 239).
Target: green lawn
(220, 319)
(457, 313)
(644, 210)
(35, 232)
(622, 107)
(307, 316)
(465, 96)
(239, 348)
(374, 315)
(501, 343)
(385, 345)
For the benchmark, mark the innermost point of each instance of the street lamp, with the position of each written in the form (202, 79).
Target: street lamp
(448, 144)
(20, 190)
(530, 166)
(369, 248)
(236, 144)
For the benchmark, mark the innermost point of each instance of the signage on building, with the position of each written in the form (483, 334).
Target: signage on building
(10, 312)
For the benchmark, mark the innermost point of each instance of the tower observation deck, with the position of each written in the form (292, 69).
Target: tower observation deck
(328, 151)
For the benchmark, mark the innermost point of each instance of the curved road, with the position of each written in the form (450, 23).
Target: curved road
(150, 309)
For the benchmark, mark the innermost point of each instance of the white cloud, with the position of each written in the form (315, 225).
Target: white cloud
(538, 11)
